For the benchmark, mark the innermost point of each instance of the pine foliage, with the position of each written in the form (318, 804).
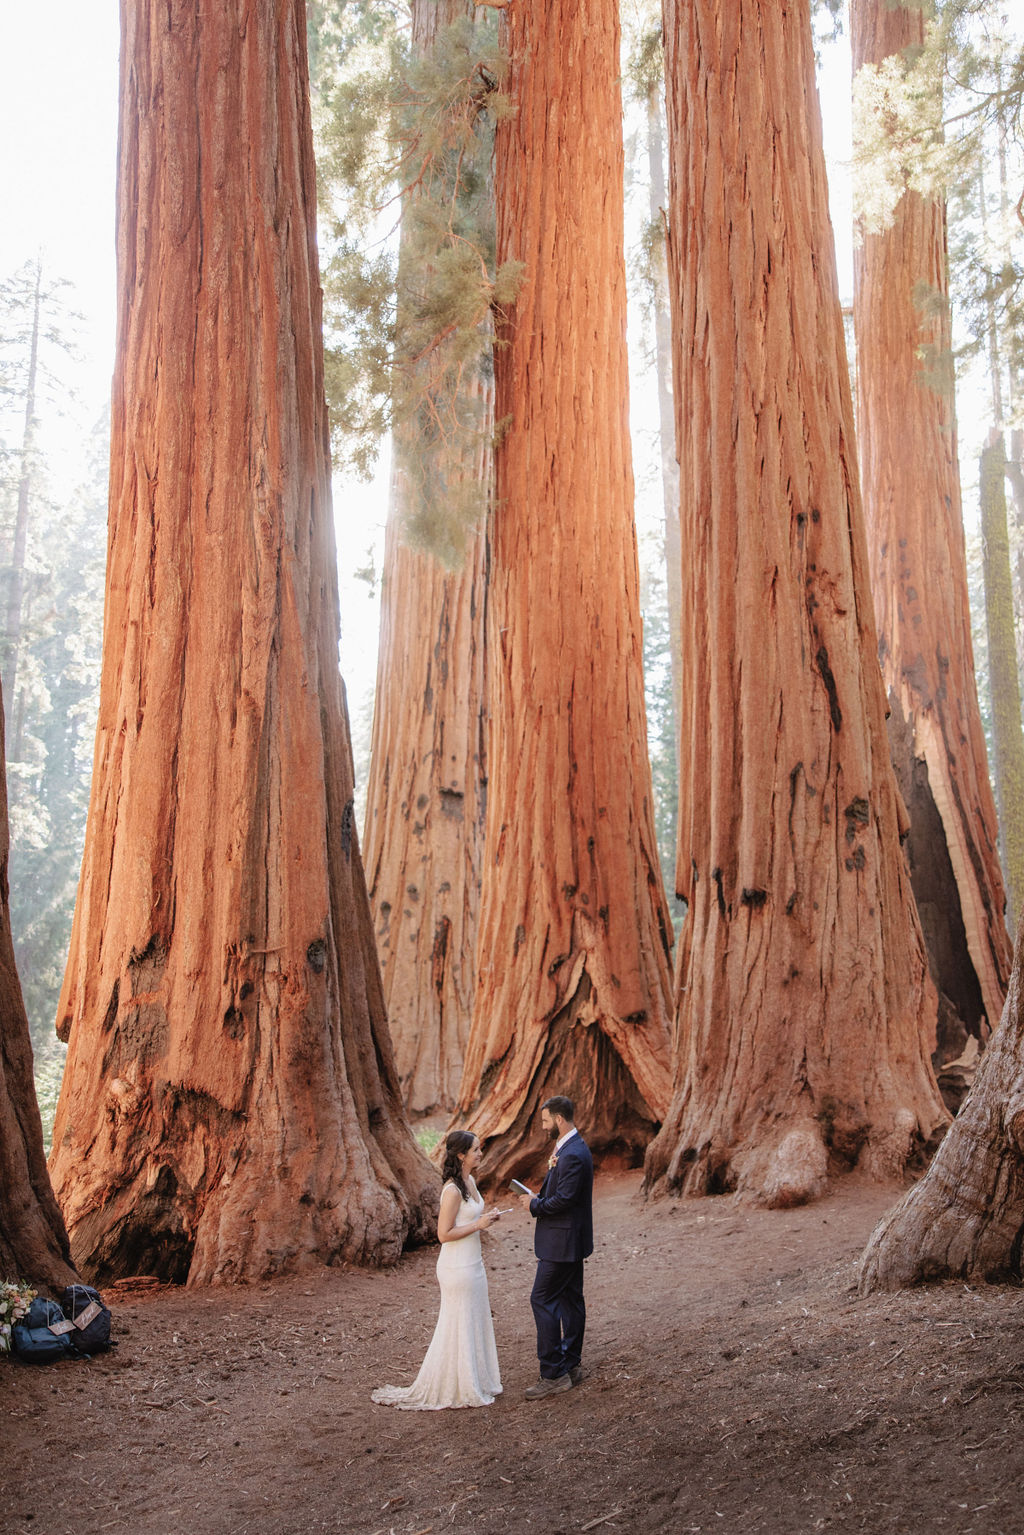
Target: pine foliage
(404, 141)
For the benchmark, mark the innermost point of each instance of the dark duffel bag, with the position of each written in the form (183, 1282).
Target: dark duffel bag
(42, 1333)
(84, 1306)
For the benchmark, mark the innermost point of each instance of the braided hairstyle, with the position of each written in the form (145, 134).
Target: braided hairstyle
(457, 1143)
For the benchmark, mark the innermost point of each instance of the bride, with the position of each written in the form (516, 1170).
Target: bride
(460, 1368)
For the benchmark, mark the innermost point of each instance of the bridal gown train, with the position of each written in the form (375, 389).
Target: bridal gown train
(460, 1368)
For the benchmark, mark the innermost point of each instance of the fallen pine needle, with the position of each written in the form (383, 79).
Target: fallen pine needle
(601, 1519)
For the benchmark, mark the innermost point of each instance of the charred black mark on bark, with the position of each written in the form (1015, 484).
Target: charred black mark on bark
(439, 955)
(316, 955)
(556, 964)
(569, 891)
(825, 671)
(716, 875)
(348, 825)
(452, 803)
(147, 965)
(234, 1023)
(110, 1016)
(487, 1077)
(790, 904)
(857, 813)
(520, 938)
(640, 1017)
(754, 898)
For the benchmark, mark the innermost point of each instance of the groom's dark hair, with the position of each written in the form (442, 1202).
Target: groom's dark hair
(563, 1107)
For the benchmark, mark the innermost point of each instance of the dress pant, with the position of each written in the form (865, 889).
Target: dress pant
(560, 1314)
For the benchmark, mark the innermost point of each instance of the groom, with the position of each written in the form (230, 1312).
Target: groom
(563, 1237)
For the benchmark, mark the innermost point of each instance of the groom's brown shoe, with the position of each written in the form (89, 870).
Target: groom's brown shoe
(545, 1387)
(576, 1374)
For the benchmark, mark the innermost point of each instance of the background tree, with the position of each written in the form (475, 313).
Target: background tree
(941, 119)
(33, 1241)
(805, 1013)
(574, 936)
(52, 538)
(911, 486)
(34, 323)
(424, 827)
(230, 1106)
(1007, 735)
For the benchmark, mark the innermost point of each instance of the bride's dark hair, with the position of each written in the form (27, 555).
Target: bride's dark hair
(456, 1144)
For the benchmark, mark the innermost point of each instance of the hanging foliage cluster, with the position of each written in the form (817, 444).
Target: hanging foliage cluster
(405, 136)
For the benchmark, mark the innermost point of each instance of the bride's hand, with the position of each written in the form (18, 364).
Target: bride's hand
(490, 1216)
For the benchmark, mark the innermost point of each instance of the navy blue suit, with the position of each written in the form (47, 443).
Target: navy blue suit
(563, 1237)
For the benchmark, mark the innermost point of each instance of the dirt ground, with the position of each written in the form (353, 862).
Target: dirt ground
(734, 1383)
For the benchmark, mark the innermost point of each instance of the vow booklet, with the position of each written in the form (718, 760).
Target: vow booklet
(519, 1188)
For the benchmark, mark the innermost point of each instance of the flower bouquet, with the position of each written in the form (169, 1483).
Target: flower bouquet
(15, 1300)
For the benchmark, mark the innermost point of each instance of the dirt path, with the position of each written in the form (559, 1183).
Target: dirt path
(734, 1384)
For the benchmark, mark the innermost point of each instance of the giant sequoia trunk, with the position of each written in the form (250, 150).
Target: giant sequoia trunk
(804, 1004)
(911, 486)
(573, 943)
(424, 806)
(230, 1106)
(965, 1219)
(33, 1241)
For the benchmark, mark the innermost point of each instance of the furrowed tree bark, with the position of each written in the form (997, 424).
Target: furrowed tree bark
(1004, 679)
(230, 1107)
(424, 830)
(424, 806)
(911, 485)
(33, 1241)
(804, 1003)
(965, 1219)
(574, 934)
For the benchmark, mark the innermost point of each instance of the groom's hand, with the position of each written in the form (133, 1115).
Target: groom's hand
(524, 1200)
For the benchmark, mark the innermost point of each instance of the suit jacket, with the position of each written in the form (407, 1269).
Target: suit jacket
(564, 1232)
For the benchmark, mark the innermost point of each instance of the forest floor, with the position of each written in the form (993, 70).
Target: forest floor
(734, 1384)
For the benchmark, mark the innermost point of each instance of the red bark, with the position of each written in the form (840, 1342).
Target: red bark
(804, 1001)
(965, 1218)
(424, 816)
(574, 935)
(911, 486)
(230, 1106)
(424, 829)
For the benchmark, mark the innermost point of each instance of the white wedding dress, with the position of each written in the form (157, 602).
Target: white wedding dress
(461, 1365)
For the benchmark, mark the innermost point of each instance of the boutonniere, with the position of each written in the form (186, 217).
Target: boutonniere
(552, 1159)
